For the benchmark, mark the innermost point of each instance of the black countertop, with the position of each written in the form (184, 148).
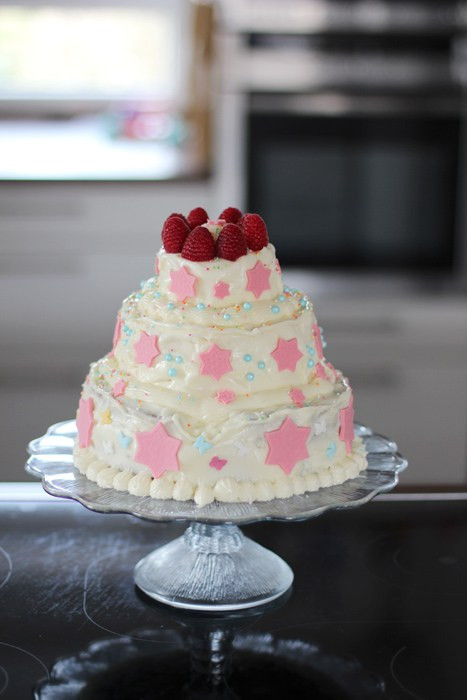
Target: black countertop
(378, 609)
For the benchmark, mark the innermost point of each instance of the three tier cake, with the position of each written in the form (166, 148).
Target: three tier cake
(216, 387)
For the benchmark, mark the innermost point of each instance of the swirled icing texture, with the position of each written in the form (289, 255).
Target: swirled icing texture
(259, 383)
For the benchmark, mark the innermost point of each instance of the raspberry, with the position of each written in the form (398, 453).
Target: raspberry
(231, 215)
(197, 217)
(231, 243)
(174, 234)
(255, 231)
(180, 216)
(199, 245)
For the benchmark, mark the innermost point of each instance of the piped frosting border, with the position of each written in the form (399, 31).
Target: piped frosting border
(178, 487)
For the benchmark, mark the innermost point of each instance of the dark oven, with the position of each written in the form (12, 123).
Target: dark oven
(361, 165)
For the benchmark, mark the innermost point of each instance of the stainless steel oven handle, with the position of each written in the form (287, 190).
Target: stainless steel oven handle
(340, 104)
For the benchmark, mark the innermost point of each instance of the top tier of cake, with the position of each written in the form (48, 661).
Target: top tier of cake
(218, 282)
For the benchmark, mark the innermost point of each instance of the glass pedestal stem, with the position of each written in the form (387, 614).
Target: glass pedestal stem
(213, 567)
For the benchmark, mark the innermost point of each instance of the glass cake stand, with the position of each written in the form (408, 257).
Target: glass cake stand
(212, 566)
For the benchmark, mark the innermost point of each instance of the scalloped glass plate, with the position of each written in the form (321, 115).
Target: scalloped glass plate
(52, 461)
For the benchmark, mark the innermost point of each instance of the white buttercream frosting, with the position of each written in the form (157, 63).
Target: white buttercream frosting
(211, 272)
(222, 422)
(179, 487)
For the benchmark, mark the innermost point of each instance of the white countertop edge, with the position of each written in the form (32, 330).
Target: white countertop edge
(24, 491)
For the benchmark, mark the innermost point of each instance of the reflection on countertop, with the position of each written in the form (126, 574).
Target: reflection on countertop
(377, 591)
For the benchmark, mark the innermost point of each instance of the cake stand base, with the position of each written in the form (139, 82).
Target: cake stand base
(213, 568)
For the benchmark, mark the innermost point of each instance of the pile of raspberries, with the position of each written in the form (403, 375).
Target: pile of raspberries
(193, 240)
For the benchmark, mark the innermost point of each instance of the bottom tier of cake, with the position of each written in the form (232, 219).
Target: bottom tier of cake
(178, 486)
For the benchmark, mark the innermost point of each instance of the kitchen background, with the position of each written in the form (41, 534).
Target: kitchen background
(342, 122)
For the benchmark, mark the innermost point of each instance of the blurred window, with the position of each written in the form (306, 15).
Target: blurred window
(99, 52)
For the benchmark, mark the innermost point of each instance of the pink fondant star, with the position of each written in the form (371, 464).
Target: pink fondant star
(286, 354)
(85, 421)
(119, 388)
(320, 371)
(297, 396)
(346, 429)
(146, 348)
(258, 279)
(215, 362)
(157, 450)
(217, 463)
(117, 334)
(182, 283)
(221, 290)
(226, 396)
(318, 340)
(287, 445)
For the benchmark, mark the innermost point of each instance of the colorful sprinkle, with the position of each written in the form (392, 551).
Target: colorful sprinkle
(275, 309)
(226, 317)
(179, 359)
(250, 376)
(172, 372)
(242, 450)
(247, 306)
(281, 297)
(202, 445)
(168, 357)
(320, 426)
(157, 295)
(105, 417)
(303, 302)
(247, 358)
(108, 446)
(217, 463)
(261, 364)
(170, 305)
(331, 451)
(124, 440)
(311, 363)
(200, 306)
